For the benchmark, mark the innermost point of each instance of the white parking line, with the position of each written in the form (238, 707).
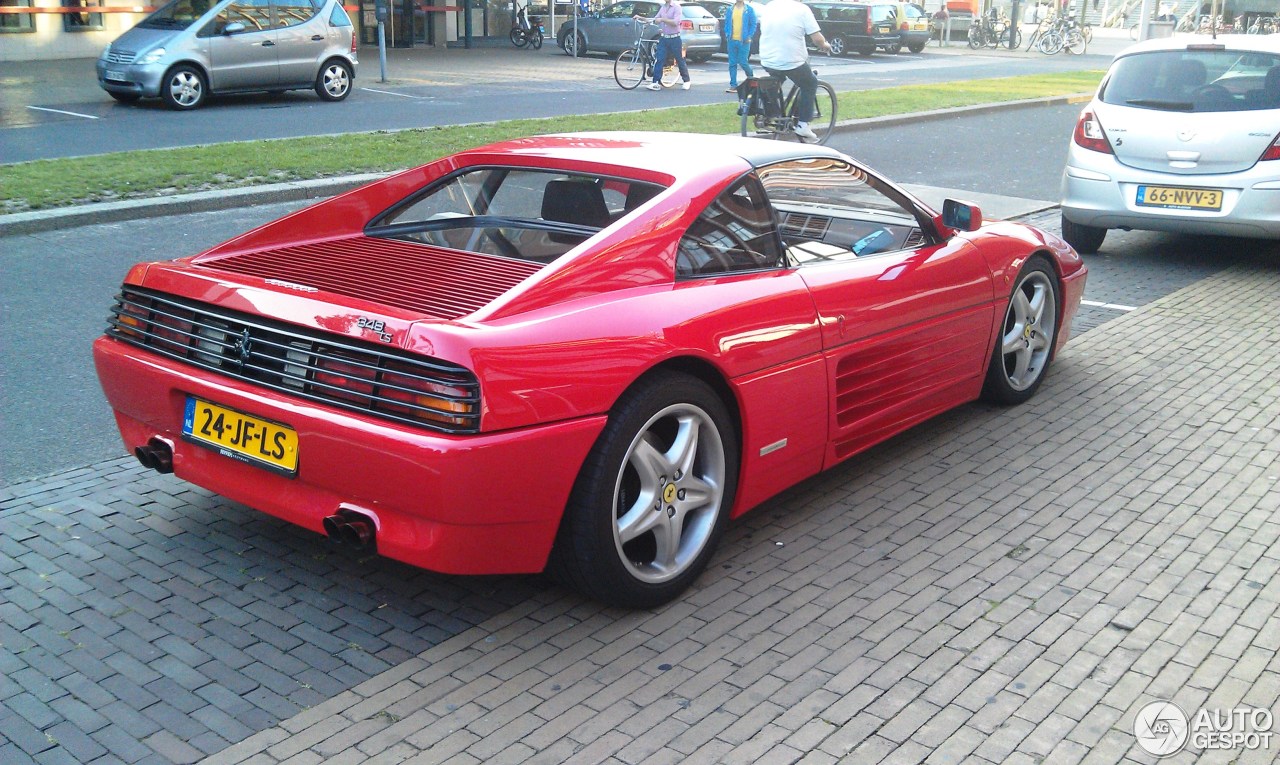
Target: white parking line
(59, 111)
(393, 93)
(1109, 306)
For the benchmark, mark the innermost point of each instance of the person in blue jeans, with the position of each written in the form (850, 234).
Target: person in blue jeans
(670, 45)
(740, 25)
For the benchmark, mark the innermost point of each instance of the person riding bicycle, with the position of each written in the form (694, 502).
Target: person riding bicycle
(668, 19)
(784, 25)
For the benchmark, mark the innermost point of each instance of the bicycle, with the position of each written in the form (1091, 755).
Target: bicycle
(992, 33)
(767, 114)
(635, 64)
(526, 31)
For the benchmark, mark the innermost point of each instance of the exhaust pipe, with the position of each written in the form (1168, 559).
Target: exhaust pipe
(350, 528)
(156, 455)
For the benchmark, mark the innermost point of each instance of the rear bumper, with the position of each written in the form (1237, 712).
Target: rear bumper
(1104, 195)
(484, 504)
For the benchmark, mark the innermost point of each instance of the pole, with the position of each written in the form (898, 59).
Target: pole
(1013, 27)
(380, 12)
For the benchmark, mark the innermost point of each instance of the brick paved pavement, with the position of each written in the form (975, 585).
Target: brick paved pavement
(997, 585)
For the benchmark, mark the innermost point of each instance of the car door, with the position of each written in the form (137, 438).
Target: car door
(614, 30)
(302, 36)
(906, 320)
(242, 47)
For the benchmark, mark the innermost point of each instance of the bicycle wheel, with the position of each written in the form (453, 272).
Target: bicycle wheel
(518, 37)
(824, 112)
(628, 69)
(1074, 42)
(671, 76)
(975, 36)
(1050, 43)
(1087, 31)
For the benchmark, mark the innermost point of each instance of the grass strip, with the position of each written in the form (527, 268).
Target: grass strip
(52, 183)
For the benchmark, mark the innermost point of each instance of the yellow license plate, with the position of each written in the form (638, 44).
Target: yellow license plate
(1179, 198)
(241, 436)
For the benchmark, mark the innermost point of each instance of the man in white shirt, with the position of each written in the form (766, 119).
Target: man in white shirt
(784, 25)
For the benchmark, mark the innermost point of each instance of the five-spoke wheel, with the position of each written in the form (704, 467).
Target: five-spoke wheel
(651, 502)
(1025, 346)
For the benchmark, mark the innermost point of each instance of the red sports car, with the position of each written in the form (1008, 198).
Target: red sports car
(576, 353)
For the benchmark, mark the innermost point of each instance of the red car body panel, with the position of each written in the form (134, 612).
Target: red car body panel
(817, 362)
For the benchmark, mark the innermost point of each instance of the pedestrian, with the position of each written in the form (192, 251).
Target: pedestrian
(670, 45)
(740, 25)
(784, 25)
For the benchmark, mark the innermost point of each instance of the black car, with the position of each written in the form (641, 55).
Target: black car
(857, 27)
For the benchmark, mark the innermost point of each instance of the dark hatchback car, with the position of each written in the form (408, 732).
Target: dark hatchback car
(857, 27)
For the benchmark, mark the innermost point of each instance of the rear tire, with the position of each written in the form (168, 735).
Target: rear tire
(1085, 239)
(915, 47)
(824, 111)
(333, 83)
(535, 39)
(518, 37)
(653, 496)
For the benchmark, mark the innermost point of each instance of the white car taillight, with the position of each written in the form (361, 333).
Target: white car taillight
(1273, 151)
(1090, 135)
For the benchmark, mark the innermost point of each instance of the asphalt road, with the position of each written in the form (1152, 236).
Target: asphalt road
(56, 109)
(58, 285)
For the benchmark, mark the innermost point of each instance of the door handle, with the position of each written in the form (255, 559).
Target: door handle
(268, 44)
(317, 38)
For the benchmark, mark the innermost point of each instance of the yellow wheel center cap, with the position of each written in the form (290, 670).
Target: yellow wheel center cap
(669, 493)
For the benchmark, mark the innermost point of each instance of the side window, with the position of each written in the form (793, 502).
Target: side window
(339, 17)
(735, 233)
(619, 11)
(829, 209)
(254, 14)
(290, 13)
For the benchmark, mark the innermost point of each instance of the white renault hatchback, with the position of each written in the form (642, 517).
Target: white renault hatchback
(1179, 137)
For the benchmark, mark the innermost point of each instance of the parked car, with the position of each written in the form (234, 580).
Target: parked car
(912, 24)
(582, 353)
(856, 27)
(1181, 137)
(189, 49)
(720, 9)
(612, 30)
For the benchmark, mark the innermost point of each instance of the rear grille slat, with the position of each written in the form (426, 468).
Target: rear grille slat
(311, 365)
(436, 282)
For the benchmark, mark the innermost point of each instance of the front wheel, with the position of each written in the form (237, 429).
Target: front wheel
(823, 120)
(975, 37)
(1024, 348)
(183, 88)
(1074, 42)
(651, 502)
(333, 83)
(535, 39)
(838, 46)
(629, 69)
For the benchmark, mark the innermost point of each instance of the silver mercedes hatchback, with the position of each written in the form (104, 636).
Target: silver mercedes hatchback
(1179, 137)
(189, 49)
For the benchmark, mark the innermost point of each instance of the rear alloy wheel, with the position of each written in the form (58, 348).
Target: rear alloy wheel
(1085, 239)
(184, 88)
(334, 81)
(1024, 348)
(653, 496)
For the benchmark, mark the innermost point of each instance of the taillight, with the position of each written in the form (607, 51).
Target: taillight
(869, 24)
(904, 26)
(353, 44)
(1273, 151)
(1090, 135)
(687, 24)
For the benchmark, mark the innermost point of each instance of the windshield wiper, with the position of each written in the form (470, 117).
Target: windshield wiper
(1156, 103)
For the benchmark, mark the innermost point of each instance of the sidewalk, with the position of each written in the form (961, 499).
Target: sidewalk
(994, 586)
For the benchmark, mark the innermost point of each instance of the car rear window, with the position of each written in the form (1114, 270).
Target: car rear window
(1195, 80)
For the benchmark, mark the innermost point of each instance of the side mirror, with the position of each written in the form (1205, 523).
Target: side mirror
(234, 28)
(961, 216)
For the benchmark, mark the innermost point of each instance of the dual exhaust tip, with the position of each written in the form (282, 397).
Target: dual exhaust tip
(350, 528)
(156, 455)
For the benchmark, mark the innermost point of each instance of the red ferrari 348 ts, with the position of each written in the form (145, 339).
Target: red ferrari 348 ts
(580, 353)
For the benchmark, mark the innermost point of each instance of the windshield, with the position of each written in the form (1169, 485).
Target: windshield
(1209, 79)
(179, 14)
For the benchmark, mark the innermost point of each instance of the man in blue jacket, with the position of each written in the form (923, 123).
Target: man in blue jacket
(740, 24)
